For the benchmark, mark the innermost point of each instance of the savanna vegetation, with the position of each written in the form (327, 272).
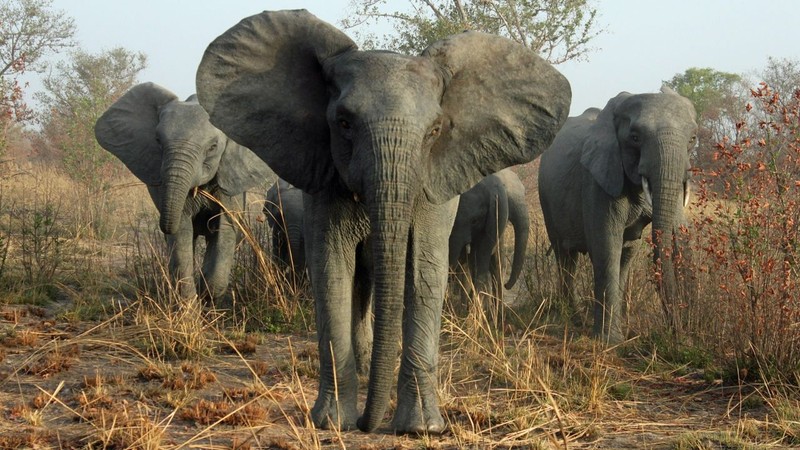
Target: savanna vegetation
(96, 351)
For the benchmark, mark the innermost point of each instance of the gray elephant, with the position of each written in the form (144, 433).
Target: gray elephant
(477, 235)
(382, 143)
(609, 174)
(283, 208)
(172, 147)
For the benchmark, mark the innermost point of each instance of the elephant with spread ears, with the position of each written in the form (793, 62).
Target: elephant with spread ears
(382, 144)
(476, 240)
(283, 207)
(608, 174)
(194, 174)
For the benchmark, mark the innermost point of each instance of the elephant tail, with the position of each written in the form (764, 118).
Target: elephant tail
(518, 216)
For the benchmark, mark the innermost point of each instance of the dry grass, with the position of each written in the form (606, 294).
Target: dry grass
(105, 356)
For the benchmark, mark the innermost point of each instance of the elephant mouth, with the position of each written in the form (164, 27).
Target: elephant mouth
(648, 192)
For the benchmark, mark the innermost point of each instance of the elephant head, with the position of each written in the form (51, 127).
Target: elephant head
(646, 139)
(386, 129)
(171, 144)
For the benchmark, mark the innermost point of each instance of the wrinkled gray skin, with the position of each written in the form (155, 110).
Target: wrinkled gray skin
(283, 207)
(477, 235)
(383, 144)
(172, 147)
(607, 175)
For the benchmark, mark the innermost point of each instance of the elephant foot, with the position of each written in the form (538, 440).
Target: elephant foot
(418, 417)
(327, 414)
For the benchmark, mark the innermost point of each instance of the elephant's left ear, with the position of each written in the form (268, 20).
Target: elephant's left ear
(503, 105)
(240, 169)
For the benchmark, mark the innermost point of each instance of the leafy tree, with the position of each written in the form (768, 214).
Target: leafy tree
(29, 30)
(559, 30)
(705, 87)
(75, 95)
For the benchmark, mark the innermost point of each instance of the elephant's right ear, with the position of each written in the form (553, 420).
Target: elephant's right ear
(602, 155)
(262, 83)
(128, 130)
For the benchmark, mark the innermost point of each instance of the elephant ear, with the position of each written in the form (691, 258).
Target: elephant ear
(240, 169)
(128, 130)
(601, 154)
(262, 83)
(502, 106)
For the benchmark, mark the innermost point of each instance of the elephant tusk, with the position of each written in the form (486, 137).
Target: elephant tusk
(686, 194)
(355, 197)
(194, 191)
(648, 196)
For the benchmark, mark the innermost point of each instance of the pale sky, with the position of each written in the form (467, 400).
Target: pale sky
(645, 41)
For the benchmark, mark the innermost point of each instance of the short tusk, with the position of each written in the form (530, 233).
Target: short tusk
(686, 194)
(648, 197)
(356, 198)
(194, 191)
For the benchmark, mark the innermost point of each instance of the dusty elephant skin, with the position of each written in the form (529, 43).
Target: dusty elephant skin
(483, 213)
(382, 144)
(283, 208)
(172, 147)
(608, 174)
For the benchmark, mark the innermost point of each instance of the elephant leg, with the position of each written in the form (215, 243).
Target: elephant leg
(480, 264)
(426, 282)
(362, 310)
(567, 268)
(606, 257)
(180, 247)
(629, 251)
(218, 260)
(334, 256)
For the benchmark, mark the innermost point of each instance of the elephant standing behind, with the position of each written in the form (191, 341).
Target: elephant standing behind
(382, 143)
(172, 147)
(607, 175)
(477, 235)
(283, 207)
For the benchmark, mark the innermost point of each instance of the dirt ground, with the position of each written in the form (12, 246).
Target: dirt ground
(91, 385)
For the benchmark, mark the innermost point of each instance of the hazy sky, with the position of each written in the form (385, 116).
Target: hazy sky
(644, 42)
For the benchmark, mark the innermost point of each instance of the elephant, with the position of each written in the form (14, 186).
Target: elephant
(608, 174)
(382, 144)
(172, 147)
(283, 208)
(477, 235)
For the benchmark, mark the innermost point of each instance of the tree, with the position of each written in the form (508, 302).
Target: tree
(74, 97)
(29, 29)
(559, 30)
(782, 75)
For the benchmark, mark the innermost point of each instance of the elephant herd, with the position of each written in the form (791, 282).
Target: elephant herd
(392, 169)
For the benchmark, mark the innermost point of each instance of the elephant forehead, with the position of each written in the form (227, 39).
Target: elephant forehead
(391, 76)
(659, 108)
(180, 118)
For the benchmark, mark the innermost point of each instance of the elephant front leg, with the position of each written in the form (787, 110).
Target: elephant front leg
(218, 260)
(426, 282)
(608, 292)
(332, 263)
(180, 247)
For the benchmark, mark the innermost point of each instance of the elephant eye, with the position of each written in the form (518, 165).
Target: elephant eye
(344, 124)
(693, 142)
(634, 138)
(436, 130)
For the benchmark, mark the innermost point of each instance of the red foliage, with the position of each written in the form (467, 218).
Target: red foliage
(749, 233)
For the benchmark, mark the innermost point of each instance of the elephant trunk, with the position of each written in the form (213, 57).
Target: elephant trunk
(390, 197)
(518, 216)
(177, 173)
(668, 196)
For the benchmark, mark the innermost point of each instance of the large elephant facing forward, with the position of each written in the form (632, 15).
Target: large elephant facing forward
(477, 236)
(609, 174)
(172, 147)
(383, 144)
